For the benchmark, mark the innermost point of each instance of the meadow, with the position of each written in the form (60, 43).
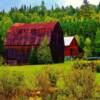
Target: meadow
(17, 81)
(32, 70)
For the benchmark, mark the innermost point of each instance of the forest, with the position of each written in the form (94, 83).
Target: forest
(83, 22)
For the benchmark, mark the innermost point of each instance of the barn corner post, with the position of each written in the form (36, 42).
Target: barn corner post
(57, 44)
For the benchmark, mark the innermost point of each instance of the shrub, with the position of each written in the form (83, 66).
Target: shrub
(43, 83)
(97, 92)
(88, 48)
(1, 60)
(46, 80)
(98, 69)
(1, 46)
(33, 56)
(11, 85)
(79, 84)
(84, 65)
(43, 52)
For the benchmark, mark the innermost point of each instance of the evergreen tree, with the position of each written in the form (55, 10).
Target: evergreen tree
(88, 47)
(33, 56)
(86, 11)
(43, 8)
(98, 7)
(70, 10)
(52, 8)
(97, 41)
(1, 46)
(43, 52)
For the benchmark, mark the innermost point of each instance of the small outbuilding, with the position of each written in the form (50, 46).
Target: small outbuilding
(21, 38)
(71, 48)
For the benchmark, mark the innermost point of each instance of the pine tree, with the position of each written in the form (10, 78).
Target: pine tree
(33, 57)
(88, 48)
(44, 53)
(1, 46)
(43, 8)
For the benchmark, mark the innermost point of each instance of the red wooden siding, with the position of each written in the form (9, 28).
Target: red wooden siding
(72, 49)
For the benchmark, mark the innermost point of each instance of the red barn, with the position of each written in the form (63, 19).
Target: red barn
(21, 38)
(71, 47)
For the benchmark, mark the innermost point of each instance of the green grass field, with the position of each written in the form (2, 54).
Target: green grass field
(30, 71)
(98, 78)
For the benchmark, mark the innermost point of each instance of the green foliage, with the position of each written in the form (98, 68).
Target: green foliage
(98, 69)
(33, 57)
(1, 46)
(98, 7)
(70, 10)
(43, 52)
(78, 39)
(97, 41)
(5, 23)
(19, 17)
(43, 8)
(88, 48)
(86, 11)
(1, 60)
(84, 65)
(49, 19)
(97, 37)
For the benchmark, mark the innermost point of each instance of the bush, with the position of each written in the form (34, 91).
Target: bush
(46, 80)
(1, 60)
(98, 69)
(84, 65)
(43, 83)
(79, 84)
(33, 56)
(88, 48)
(11, 85)
(44, 53)
(1, 46)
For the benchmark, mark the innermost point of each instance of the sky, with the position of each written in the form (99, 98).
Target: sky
(7, 4)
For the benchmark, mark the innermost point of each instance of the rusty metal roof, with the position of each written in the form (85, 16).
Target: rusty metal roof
(29, 34)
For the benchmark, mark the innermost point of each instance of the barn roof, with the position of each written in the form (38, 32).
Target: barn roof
(68, 40)
(29, 34)
(46, 25)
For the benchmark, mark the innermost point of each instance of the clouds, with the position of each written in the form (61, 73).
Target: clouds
(7, 4)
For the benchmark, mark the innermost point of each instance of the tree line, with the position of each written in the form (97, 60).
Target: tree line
(83, 22)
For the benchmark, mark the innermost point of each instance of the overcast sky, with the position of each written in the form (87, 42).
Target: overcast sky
(7, 4)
